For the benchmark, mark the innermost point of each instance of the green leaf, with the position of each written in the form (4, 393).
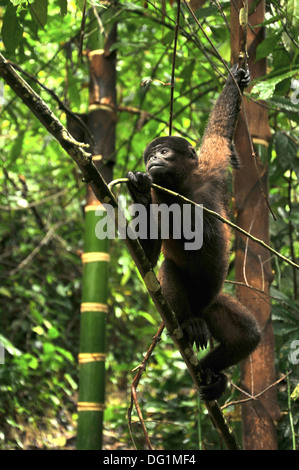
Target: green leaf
(53, 333)
(39, 12)
(10, 348)
(33, 363)
(284, 104)
(38, 330)
(49, 348)
(6, 292)
(293, 12)
(265, 89)
(286, 150)
(54, 400)
(295, 393)
(205, 12)
(17, 146)
(268, 45)
(29, 360)
(148, 317)
(63, 7)
(71, 381)
(11, 29)
(130, 6)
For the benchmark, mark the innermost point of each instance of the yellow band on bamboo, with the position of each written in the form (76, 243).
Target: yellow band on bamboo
(94, 307)
(105, 107)
(96, 158)
(95, 256)
(264, 142)
(85, 358)
(94, 207)
(90, 406)
(96, 52)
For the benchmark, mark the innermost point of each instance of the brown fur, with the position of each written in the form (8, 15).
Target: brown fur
(192, 281)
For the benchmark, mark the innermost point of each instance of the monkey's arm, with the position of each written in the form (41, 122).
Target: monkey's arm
(140, 189)
(217, 141)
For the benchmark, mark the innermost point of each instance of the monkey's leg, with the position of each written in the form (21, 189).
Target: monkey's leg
(176, 287)
(238, 333)
(173, 287)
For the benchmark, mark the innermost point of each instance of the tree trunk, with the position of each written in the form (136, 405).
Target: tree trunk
(253, 265)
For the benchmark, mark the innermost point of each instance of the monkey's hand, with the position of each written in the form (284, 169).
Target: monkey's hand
(196, 331)
(213, 385)
(241, 76)
(140, 187)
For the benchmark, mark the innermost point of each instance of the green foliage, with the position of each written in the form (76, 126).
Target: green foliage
(41, 227)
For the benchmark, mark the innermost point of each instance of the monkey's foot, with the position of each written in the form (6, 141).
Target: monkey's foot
(196, 331)
(213, 385)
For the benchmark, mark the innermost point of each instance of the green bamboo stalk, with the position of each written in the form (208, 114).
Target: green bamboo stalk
(92, 336)
(101, 123)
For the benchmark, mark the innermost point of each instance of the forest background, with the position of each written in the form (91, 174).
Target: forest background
(42, 220)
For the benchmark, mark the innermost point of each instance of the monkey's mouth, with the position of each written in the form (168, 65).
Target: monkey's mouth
(154, 165)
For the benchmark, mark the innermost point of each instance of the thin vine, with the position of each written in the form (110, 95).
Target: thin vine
(173, 65)
(217, 216)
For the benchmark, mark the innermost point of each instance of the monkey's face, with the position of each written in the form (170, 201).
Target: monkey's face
(169, 160)
(159, 160)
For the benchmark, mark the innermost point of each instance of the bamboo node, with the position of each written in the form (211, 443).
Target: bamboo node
(95, 256)
(100, 106)
(85, 358)
(95, 207)
(97, 158)
(259, 141)
(96, 52)
(90, 406)
(93, 307)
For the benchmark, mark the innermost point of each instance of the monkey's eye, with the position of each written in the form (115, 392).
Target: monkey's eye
(164, 151)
